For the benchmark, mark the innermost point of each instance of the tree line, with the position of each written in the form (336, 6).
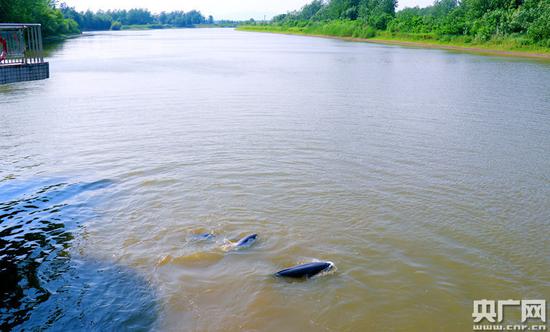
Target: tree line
(38, 11)
(480, 20)
(114, 19)
(60, 19)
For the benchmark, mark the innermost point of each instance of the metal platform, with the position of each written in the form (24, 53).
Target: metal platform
(22, 55)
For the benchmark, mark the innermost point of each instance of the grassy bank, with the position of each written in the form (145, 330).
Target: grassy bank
(168, 26)
(144, 27)
(216, 25)
(354, 30)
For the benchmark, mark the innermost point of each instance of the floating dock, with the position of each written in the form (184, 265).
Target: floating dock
(21, 53)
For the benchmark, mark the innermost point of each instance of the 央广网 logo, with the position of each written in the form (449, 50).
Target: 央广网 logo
(491, 311)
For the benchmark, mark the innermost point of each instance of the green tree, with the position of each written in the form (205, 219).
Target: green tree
(116, 25)
(38, 11)
(525, 20)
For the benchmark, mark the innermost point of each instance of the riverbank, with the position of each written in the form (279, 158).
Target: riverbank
(502, 47)
(170, 26)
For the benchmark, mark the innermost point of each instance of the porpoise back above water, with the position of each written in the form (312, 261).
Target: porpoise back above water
(306, 270)
(205, 236)
(247, 241)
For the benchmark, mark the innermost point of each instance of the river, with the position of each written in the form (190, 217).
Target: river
(424, 175)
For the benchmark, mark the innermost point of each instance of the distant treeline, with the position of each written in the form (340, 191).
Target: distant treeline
(63, 20)
(115, 19)
(476, 20)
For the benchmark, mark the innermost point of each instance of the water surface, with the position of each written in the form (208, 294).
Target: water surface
(422, 174)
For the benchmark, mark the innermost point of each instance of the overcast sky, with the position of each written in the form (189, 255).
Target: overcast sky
(220, 9)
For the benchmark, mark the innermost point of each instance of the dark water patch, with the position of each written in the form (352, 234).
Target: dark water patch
(38, 222)
(92, 295)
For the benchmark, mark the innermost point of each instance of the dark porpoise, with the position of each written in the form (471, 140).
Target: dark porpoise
(247, 241)
(205, 236)
(305, 270)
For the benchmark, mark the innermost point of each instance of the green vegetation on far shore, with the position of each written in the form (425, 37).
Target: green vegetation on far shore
(501, 25)
(54, 24)
(169, 26)
(134, 19)
(59, 21)
(142, 27)
(353, 31)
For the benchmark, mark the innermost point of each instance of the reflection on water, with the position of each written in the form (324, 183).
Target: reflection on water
(42, 283)
(91, 295)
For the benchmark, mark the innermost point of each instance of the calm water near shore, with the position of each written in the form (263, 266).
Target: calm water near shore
(424, 175)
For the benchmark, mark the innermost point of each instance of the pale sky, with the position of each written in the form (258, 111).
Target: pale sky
(220, 9)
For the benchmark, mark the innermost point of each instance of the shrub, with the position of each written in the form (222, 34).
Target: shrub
(116, 25)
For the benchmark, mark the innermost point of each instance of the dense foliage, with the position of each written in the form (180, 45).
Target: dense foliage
(38, 11)
(62, 19)
(473, 20)
(105, 20)
(376, 13)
